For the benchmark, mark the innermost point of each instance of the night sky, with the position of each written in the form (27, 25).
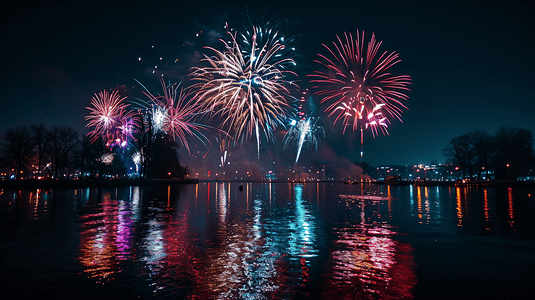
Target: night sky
(472, 62)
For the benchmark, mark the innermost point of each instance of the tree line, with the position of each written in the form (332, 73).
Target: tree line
(508, 154)
(59, 152)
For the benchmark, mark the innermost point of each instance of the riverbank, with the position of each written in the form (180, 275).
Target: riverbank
(500, 183)
(79, 183)
(503, 183)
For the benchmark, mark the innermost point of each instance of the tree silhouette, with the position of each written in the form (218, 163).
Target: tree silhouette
(17, 150)
(164, 162)
(39, 134)
(461, 153)
(60, 145)
(509, 153)
(482, 145)
(513, 154)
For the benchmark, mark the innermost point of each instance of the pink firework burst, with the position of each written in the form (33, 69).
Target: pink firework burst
(108, 116)
(178, 112)
(358, 83)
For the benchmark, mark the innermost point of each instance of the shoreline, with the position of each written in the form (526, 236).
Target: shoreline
(79, 183)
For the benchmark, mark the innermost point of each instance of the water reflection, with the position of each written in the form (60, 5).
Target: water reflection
(241, 267)
(262, 249)
(222, 200)
(98, 240)
(265, 250)
(261, 241)
(302, 237)
(483, 203)
(364, 255)
(427, 207)
(459, 197)
(154, 246)
(486, 208)
(510, 206)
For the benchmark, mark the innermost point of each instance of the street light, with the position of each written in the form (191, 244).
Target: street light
(507, 172)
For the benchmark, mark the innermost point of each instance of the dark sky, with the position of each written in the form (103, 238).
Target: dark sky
(471, 62)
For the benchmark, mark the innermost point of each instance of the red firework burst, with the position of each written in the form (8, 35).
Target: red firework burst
(358, 80)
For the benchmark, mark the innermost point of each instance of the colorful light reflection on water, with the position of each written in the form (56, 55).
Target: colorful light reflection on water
(259, 241)
(265, 243)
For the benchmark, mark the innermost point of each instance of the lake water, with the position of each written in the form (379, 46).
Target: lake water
(268, 241)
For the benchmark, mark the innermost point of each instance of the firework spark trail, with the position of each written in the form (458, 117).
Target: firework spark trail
(245, 86)
(358, 80)
(175, 112)
(109, 117)
(303, 133)
(136, 158)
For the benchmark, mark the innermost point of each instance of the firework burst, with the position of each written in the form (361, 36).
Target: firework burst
(358, 83)
(245, 85)
(109, 118)
(107, 158)
(174, 113)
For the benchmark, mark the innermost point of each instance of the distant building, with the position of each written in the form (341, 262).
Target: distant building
(428, 172)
